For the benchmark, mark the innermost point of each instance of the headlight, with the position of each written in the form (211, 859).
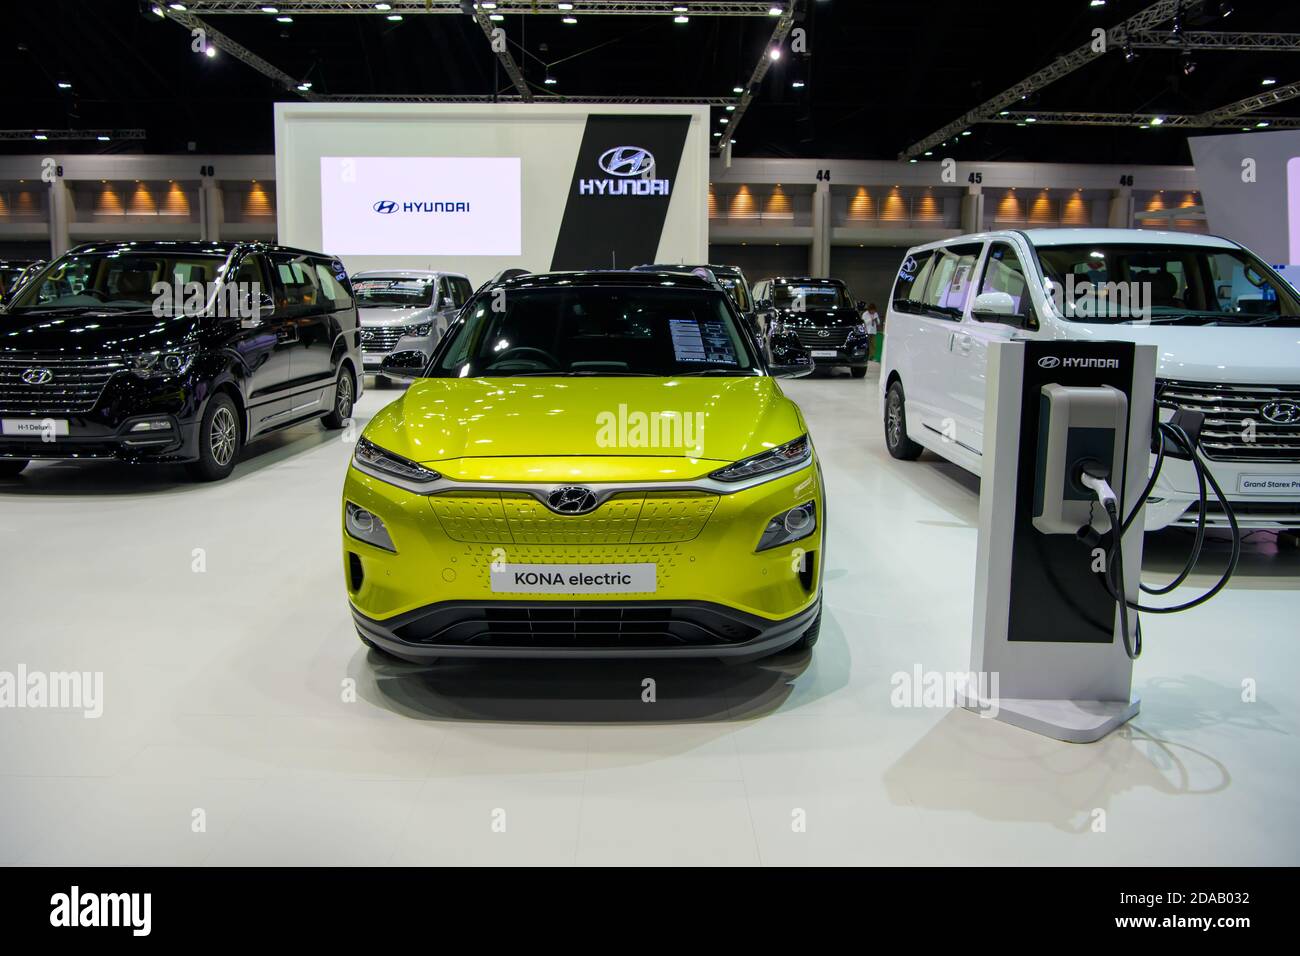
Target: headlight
(161, 364)
(385, 462)
(424, 329)
(789, 526)
(367, 526)
(859, 329)
(781, 457)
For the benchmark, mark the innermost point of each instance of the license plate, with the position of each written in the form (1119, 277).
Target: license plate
(574, 579)
(824, 353)
(1268, 484)
(43, 429)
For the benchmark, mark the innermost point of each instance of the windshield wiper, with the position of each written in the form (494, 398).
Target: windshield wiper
(732, 372)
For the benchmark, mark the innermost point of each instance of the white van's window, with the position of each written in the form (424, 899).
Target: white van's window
(1003, 272)
(942, 283)
(1190, 285)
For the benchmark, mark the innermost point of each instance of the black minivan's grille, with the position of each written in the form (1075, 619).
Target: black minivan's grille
(1243, 422)
(828, 338)
(35, 384)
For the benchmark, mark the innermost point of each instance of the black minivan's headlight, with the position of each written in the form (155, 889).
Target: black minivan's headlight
(789, 526)
(385, 462)
(160, 364)
(783, 456)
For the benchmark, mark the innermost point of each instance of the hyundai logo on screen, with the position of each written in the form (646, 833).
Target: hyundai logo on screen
(632, 173)
(386, 207)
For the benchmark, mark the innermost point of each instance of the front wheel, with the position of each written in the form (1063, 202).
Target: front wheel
(344, 395)
(11, 467)
(896, 440)
(219, 440)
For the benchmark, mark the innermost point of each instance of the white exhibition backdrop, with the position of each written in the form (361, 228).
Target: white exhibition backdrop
(544, 138)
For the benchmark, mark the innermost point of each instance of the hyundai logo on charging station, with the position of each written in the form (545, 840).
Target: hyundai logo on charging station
(631, 169)
(386, 207)
(1052, 361)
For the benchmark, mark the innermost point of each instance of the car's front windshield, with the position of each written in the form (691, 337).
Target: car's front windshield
(810, 295)
(393, 292)
(117, 281)
(1166, 283)
(596, 330)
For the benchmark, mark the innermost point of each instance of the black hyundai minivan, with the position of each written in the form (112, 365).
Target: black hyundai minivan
(157, 351)
(817, 314)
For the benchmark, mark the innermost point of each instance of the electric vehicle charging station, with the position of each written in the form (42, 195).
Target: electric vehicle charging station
(1066, 422)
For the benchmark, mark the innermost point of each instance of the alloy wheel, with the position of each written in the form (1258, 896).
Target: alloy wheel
(224, 436)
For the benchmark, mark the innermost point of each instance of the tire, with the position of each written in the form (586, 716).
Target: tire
(220, 439)
(11, 467)
(345, 392)
(809, 637)
(896, 440)
(858, 371)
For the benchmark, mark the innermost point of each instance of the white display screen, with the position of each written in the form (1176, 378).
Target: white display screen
(421, 205)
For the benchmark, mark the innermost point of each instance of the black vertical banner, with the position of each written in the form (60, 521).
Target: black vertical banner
(622, 184)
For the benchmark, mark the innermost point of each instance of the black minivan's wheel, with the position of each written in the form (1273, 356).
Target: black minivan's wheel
(220, 438)
(345, 394)
(858, 371)
(896, 440)
(10, 467)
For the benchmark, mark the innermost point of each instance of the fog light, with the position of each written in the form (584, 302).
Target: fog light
(153, 425)
(798, 522)
(367, 526)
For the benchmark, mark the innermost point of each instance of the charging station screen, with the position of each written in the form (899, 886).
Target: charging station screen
(421, 205)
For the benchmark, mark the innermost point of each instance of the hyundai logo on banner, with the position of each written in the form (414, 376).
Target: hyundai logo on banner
(631, 170)
(386, 207)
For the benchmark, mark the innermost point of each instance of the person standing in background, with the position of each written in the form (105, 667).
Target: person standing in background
(872, 321)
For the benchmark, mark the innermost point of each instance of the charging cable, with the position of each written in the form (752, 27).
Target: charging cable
(1096, 478)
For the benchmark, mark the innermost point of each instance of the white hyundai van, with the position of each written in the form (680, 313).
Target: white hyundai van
(1227, 328)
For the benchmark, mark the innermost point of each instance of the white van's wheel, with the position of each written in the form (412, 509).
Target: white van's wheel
(896, 440)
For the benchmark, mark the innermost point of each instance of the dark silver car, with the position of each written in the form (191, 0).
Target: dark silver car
(394, 304)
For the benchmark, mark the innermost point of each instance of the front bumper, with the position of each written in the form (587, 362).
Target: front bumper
(591, 629)
(855, 352)
(714, 596)
(1175, 498)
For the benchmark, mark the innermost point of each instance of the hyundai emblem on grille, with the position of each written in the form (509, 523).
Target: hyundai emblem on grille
(572, 501)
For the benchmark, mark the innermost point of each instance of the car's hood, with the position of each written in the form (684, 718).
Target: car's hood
(1210, 353)
(93, 333)
(820, 318)
(380, 318)
(618, 428)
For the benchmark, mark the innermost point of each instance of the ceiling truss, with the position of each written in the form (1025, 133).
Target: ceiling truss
(716, 8)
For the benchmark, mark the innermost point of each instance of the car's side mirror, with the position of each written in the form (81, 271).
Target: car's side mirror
(407, 365)
(994, 304)
(447, 302)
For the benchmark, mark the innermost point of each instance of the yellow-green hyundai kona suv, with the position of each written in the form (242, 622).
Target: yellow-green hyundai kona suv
(588, 465)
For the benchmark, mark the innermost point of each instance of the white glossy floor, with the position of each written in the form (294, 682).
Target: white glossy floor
(224, 693)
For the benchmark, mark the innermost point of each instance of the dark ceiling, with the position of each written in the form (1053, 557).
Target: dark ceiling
(879, 75)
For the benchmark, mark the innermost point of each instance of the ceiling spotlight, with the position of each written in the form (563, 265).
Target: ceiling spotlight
(1157, 121)
(1189, 65)
(730, 109)
(304, 86)
(64, 85)
(929, 152)
(717, 134)
(284, 19)
(965, 132)
(102, 138)
(681, 19)
(798, 84)
(394, 17)
(774, 54)
(496, 17)
(210, 51)
(737, 89)
(1268, 81)
(724, 121)
(270, 9)
(775, 10)
(1130, 54)
(550, 80)
(1262, 124)
(569, 20)
(39, 136)
(1225, 10)
(680, 8)
(177, 6)
(389, 6)
(1031, 119)
(1097, 3)
(564, 6)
